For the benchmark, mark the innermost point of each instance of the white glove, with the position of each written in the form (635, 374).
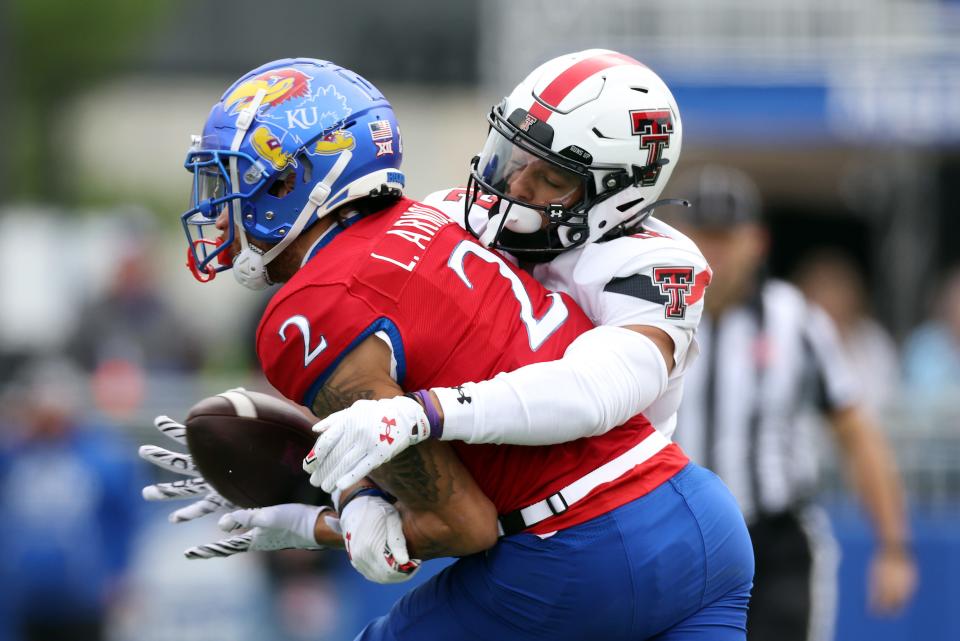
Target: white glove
(209, 499)
(373, 534)
(278, 527)
(361, 438)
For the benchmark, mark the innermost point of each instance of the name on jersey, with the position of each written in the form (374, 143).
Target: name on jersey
(413, 231)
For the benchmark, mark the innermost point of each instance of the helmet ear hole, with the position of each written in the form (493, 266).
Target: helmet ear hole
(307, 168)
(283, 183)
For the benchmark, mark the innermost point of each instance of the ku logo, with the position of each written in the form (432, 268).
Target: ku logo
(676, 283)
(388, 424)
(654, 128)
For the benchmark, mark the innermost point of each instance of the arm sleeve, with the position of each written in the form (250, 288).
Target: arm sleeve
(606, 376)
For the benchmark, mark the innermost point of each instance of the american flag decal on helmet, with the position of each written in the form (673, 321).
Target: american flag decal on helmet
(381, 130)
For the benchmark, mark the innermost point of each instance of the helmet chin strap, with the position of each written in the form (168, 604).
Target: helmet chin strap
(245, 266)
(250, 264)
(491, 230)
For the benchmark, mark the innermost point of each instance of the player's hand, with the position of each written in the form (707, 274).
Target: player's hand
(278, 527)
(893, 579)
(373, 534)
(192, 487)
(361, 438)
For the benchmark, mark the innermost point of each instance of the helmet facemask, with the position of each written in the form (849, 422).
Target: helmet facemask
(213, 194)
(543, 196)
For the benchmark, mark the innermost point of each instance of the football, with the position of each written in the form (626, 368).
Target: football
(250, 446)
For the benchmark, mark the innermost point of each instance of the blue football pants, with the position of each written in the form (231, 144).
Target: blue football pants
(673, 565)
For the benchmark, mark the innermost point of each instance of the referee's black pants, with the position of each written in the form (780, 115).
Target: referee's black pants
(794, 585)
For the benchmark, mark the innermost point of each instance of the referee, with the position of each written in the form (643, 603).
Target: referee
(767, 356)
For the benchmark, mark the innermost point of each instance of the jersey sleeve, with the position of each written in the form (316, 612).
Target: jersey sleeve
(836, 386)
(658, 282)
(305, 334)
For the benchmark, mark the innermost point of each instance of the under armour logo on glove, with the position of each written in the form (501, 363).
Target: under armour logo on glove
(387, 424)
(361, 438)
(409, 567)
(463, 398)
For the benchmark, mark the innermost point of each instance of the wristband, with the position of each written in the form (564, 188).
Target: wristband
(364, 491)
(430, 409)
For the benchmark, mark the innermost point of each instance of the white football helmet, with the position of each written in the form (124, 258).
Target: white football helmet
(585, 144)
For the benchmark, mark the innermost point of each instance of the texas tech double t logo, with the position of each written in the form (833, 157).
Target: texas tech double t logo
(676, 283)
(654, 127)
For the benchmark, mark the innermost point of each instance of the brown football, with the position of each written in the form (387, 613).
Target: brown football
(250, 446)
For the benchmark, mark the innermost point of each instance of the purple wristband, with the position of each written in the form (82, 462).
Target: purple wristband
(433, 416)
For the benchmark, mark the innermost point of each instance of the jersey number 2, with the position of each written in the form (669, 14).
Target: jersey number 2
(538, 329)
(301, 323)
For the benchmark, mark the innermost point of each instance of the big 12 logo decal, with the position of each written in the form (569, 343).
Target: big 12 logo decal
(654, 127)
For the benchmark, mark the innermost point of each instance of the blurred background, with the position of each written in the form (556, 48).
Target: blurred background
(846, 113)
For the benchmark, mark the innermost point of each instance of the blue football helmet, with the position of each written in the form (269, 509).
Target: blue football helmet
(286, 144)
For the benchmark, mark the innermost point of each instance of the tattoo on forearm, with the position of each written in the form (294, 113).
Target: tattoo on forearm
(415, 478)
(333, 398)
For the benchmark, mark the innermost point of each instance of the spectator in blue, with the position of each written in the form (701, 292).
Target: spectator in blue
(931, 355)
(70, 500)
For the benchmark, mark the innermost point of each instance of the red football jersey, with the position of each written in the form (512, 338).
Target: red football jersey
(453, 311)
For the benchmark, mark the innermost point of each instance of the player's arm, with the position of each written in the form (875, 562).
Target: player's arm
(444, 511)
(606, 376)
(646, 296)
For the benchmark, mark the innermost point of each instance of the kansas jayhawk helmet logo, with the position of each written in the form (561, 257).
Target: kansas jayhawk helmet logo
(269, 147)
(280, 84)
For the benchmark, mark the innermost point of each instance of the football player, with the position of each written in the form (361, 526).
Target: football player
(603, 536)
(573, 166)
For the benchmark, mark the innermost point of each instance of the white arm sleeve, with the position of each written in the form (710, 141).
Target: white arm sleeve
(606, 376)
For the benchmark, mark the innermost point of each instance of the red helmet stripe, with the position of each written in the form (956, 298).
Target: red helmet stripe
(568, 80)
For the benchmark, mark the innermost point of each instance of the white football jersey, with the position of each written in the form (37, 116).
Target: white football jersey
(655, 277)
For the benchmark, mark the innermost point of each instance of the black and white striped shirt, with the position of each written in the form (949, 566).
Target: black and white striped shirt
(762, 365)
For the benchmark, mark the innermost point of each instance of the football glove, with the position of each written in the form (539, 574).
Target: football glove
(373, 535)
(361, 438)
(278, 527)
(208, 499)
